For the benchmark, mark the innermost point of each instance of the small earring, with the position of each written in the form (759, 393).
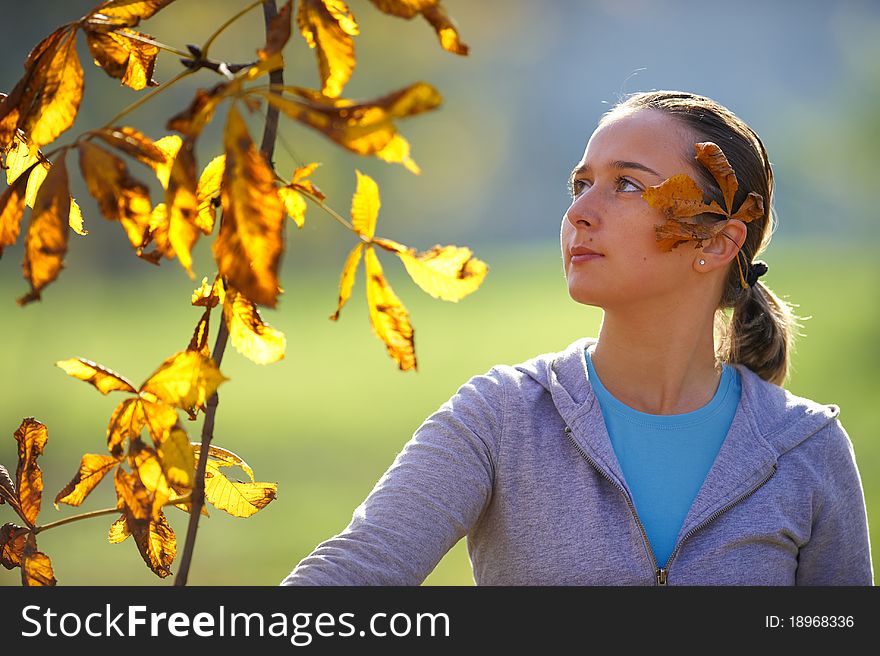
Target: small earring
(702, 261)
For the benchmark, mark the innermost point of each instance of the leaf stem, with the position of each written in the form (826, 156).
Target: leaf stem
(153, 42)
(197, 502)
(229, 22)
(97, 513)
(140, 101)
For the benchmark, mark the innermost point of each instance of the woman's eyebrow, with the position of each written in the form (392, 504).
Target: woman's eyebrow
(619, 164)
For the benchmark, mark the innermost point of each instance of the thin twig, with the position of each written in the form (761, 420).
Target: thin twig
(145, 98)
(98, 513)
(198, 493)
(229, 22)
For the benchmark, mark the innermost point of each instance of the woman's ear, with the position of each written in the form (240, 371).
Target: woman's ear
(722, 249)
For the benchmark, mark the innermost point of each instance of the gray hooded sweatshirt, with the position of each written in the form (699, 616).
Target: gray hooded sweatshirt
(519, 461)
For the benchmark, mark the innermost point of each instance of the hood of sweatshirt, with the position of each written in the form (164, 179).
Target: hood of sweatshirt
(769, 421)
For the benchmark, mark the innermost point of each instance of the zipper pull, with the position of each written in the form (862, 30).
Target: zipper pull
(661, 576)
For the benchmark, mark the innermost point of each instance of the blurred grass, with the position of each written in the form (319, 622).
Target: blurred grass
(328, 420)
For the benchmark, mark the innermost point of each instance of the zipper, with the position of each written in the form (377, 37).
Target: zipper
(662, 572)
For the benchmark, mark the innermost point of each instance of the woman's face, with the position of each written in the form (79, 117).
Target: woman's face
(624, 156)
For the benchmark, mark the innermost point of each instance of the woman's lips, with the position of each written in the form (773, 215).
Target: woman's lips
(586, 257)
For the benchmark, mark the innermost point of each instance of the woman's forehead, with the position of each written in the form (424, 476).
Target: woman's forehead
(647, 136)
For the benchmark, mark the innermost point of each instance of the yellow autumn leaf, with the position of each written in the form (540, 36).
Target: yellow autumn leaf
(220, 457)
(134, 143)
(145, 462)
(105, 380)
(118, 531)
(207, 191)
(388, 318)
(176, 458)
(54, 93)
(20, 157)
(126, 422)
(249, 334)
(185, 380)
(183, 205)
(209, 296)
(12, 204)
(92, 469)
(46, 241)
(327, 26)
(347, 278)
(294, 204)
(235, 497)
(169, 145)
(250, 241)
(446, 272)
(365, 205)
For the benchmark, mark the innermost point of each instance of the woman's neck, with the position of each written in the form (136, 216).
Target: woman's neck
(662, 368)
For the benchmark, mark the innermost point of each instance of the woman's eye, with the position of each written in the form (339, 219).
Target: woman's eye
(575, 187)
(625, 181)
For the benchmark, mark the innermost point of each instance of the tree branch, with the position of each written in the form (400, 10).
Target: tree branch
(270, 132)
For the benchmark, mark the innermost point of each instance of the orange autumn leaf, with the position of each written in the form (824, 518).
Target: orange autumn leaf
(134, 143)
(191, 121)
(155, 541)
(713, 158)
(185, 380)
(679, 197)
(751, 208)
(145, 462)
(209, 296)
(7, 490)
(45, 244)
(249, 334)
(36, 568)
(673, 232)
(92, 470)
(31, 437)
(347, 278)
(199, 340)
(105, 380)
(250, 241)
(388, 317)
(328, 26)
(131, 494)
(277, 32)
(12, 204)
(365, 128)
(433, 12)
(12, 541)
(128, 13)
(123, 54)
(44, 102)
(126, 422)
(120, 197)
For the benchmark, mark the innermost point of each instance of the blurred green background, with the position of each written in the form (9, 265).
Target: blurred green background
(327, 421)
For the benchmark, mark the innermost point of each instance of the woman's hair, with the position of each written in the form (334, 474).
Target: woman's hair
(759, 333)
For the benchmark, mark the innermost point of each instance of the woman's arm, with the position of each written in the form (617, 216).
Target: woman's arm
(839, 550)
(427, 500)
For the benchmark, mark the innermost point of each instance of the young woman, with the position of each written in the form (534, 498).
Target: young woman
(665, 451)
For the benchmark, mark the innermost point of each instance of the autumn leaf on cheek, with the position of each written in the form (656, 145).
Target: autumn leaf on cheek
(679, 197)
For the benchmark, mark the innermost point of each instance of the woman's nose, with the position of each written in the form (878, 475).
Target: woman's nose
(583, 211)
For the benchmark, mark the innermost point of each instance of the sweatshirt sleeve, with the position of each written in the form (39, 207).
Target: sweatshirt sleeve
(425, 502)
(839, 549)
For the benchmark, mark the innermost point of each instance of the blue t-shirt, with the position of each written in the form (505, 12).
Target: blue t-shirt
(665, 458)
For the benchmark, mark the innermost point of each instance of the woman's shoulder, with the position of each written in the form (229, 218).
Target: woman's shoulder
(785, 419)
